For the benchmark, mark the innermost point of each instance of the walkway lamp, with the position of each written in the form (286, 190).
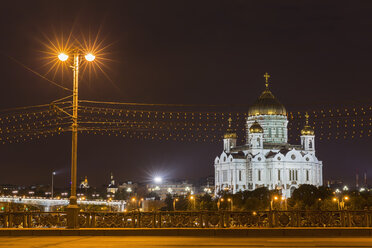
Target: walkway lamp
(192, 198)
(53, 174)
(72, 208)
(231, 203)
(335, 199)
(174, 203)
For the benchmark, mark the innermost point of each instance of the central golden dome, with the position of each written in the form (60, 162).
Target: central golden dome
(267, 104)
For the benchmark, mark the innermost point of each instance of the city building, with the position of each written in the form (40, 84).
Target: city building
(84, 183)
(112, 188)
(267, 159)
(173, 188)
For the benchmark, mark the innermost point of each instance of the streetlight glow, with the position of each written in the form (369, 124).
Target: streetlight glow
(90, 57)
(158, 179)
(62, 56)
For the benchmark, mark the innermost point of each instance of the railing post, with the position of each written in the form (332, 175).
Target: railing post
(348, 218)
(342, 216)
(10, 220)
(139, 219)
(221, 224)
(298, 218)
(29, 220)
(159, 220)
(133, 220)
(153, 219)
(270, 218)
(93, 221)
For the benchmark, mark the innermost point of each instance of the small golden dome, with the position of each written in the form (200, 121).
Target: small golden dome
(256, 128)
(307, 130)
(267, 104)
(230, 136)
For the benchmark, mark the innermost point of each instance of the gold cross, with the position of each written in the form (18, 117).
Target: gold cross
(267, 76)
(307, 118)
(230, 120)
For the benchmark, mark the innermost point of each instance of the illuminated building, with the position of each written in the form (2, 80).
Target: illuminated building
(267, 159)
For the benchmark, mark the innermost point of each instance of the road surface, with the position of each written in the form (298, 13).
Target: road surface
(184, 242)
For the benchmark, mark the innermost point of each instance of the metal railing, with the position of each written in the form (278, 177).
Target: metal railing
(190, 219)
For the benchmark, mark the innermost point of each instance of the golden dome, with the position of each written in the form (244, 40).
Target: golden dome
(267, 104)
(307, 130)
(256, 128)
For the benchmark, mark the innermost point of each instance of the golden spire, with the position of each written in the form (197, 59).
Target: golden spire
(267, 76)
(230, 120)
(307, 130)
(230, 134)
(307, 118)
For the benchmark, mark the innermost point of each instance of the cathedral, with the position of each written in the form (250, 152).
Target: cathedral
(267, 159)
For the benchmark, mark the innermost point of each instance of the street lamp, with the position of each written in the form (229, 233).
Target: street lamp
(335, 199)
(219, 203)
(72, 208)
(174, 203)
(275, 198)
(53, 174)
(231, 203)
(193, 199)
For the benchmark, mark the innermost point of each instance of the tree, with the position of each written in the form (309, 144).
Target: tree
(306, 195)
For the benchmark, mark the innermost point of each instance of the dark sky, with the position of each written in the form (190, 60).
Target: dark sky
(191, 52)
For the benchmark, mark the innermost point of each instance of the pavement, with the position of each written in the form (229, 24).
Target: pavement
(169, 242)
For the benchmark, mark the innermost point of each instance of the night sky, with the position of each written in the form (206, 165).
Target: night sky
(189, 52)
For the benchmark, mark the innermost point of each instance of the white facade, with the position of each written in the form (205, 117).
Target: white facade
(267, 160)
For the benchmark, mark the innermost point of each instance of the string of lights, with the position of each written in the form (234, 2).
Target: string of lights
(164, 122)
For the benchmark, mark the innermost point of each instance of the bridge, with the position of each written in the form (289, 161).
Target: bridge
(47, 203)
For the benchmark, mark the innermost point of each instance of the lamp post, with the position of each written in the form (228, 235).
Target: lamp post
(174, 203)
(231, 204)
(193, 199)
(72, 208)
(271, 202)
(219, 203)
(335, 199)
(53, 174)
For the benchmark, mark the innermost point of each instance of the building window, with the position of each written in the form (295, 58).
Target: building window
(259, 175)
(310, 144)
(296, 175)
(290, 175)
(279, 175)
(307, 175)
(240, 175)
(218, 176)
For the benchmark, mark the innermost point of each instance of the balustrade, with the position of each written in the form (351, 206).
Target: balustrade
(190, 219)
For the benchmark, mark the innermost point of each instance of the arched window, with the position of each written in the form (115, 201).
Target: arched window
(310, 144)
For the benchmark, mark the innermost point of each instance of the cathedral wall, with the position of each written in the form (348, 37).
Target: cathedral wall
(274, 126)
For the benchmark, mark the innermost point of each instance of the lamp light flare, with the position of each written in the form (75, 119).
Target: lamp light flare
(158, 179)
(63, 57)
(90, 57)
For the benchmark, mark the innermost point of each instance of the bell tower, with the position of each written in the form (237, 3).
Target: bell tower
(229, 139)
(308, 136)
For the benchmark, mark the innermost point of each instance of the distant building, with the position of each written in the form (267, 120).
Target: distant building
(267, 159)
(173, 188)
(84, 184)
(129, 187)
(112, 187)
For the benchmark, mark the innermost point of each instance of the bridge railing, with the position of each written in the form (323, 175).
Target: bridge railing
(190, 219)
